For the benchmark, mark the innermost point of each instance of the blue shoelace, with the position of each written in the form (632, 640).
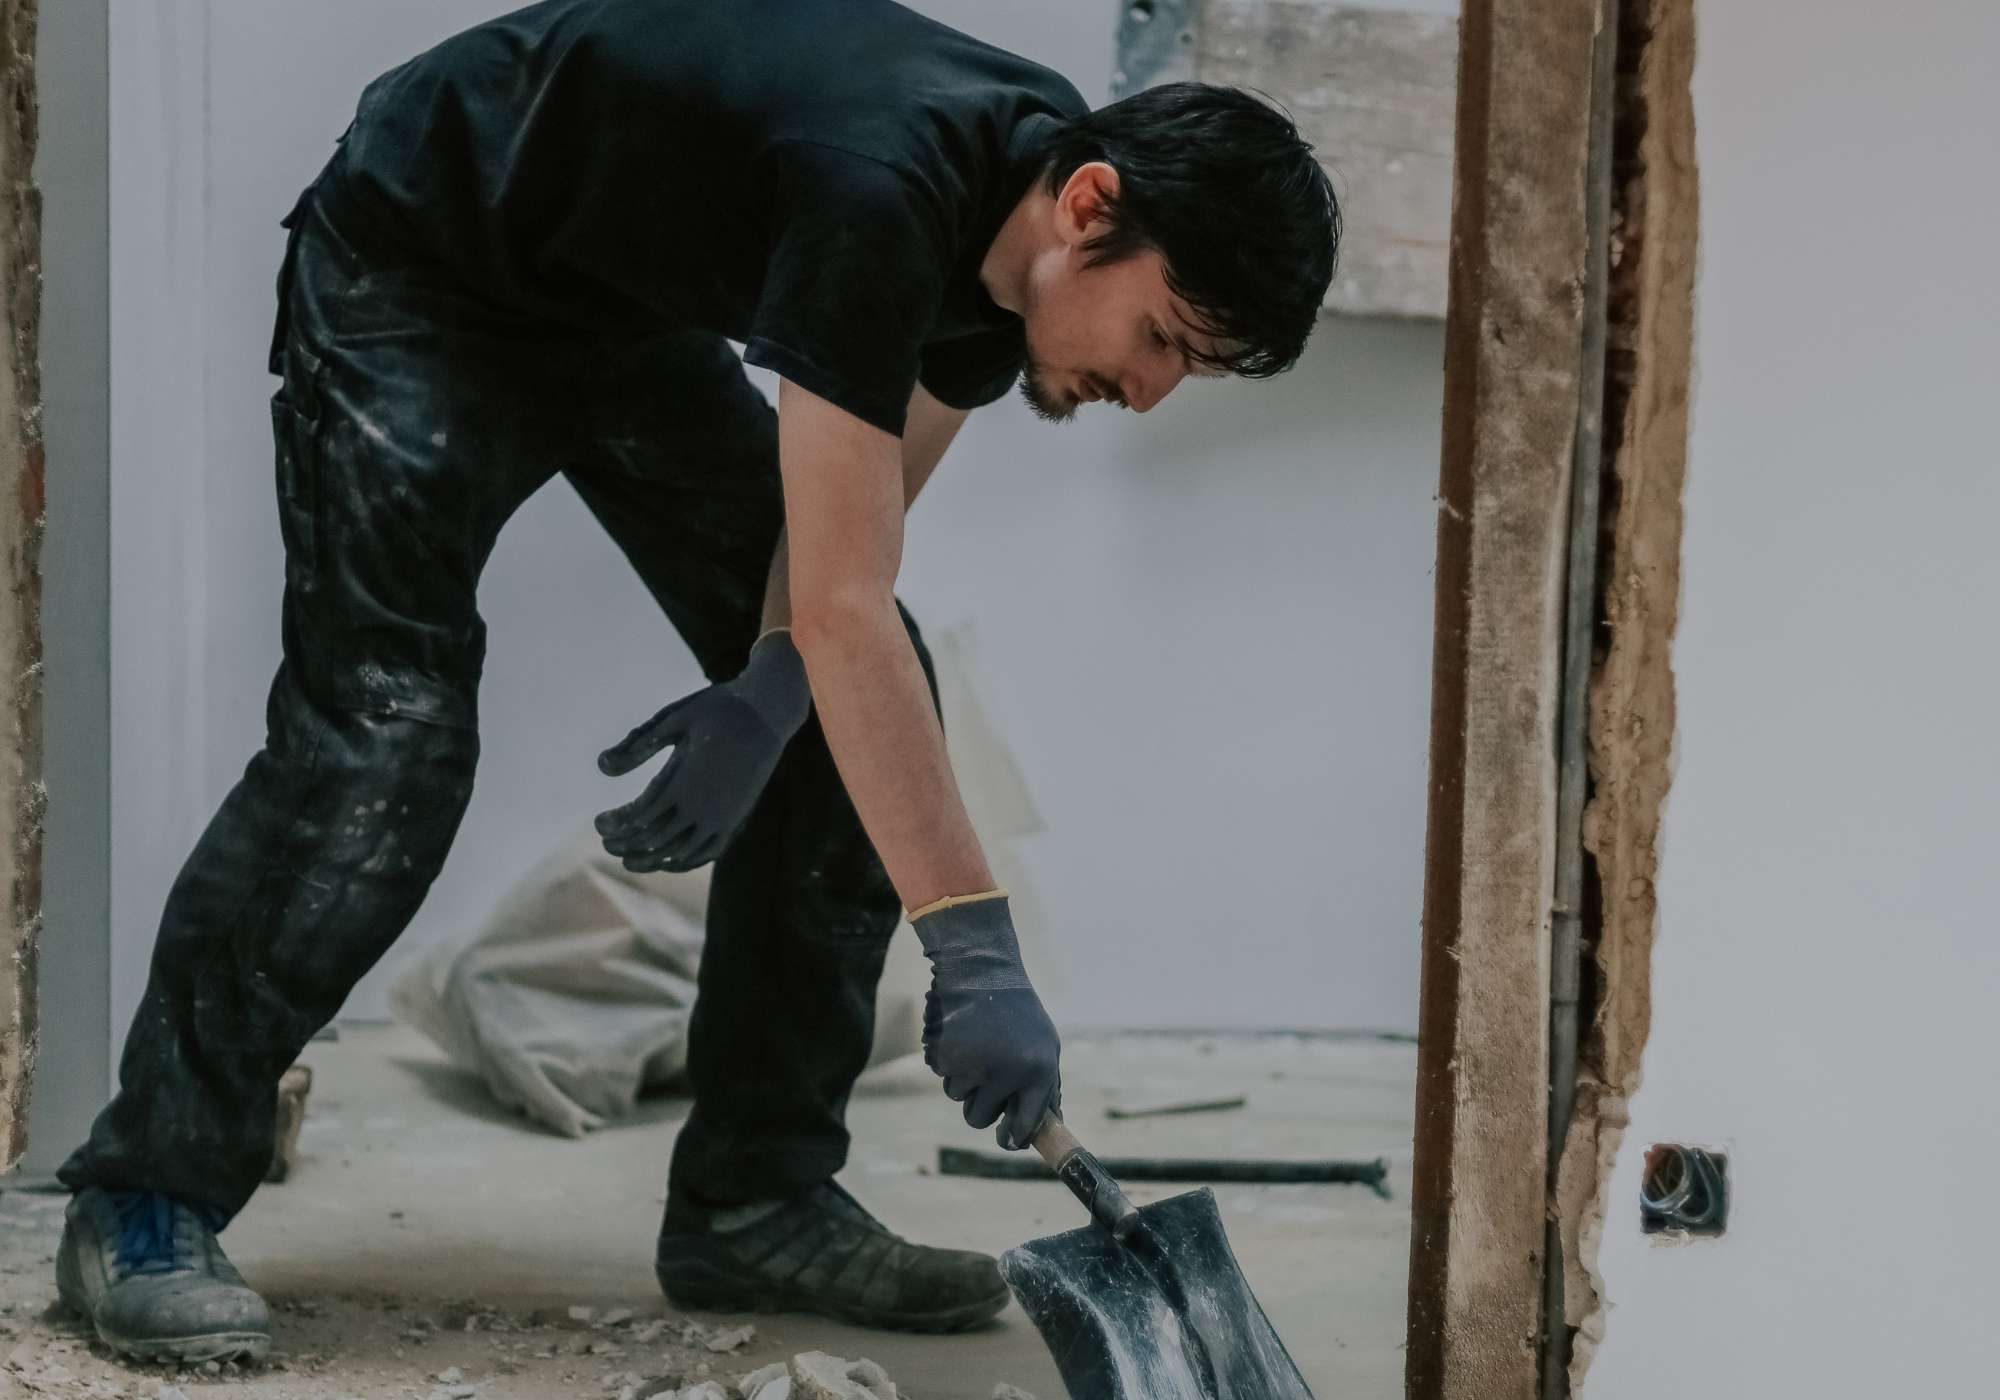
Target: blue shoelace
(147, 1240)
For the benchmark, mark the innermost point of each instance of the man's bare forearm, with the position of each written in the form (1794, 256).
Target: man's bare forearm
(932, 426)
(875, 707)
(846, 486)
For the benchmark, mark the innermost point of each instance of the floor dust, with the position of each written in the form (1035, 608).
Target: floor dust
(427, 1230)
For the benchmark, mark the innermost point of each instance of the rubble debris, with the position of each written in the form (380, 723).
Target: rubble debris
(293, 1087)
(818, 1376)
(732, 1339)
(649, 1331)
(450, 1375)
(615, 1317)
(580, 1314)
(753, 1386)
(1004, 1391)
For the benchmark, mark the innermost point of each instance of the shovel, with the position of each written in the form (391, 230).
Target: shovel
(1145, 1303)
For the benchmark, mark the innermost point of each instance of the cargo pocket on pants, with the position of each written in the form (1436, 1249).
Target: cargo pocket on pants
(296, 410)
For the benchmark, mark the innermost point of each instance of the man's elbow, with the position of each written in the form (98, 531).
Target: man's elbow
(838, 619)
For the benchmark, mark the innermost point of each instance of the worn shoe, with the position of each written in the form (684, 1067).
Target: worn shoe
(149, 1275)
(819, 1252)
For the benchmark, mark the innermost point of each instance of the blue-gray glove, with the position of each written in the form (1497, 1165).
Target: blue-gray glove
(985, 1030)
(726, 741)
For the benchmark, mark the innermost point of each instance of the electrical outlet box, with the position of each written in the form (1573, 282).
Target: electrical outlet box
(1685, 1191)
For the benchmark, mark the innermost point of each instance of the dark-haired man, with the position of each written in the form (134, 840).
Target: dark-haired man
(528, 257)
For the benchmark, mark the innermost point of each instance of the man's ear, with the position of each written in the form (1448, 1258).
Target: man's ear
(1083, 208)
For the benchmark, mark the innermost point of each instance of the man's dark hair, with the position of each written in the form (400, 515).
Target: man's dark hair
(1223, 187)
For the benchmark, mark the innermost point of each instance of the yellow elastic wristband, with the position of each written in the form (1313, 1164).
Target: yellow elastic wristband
(952, 900)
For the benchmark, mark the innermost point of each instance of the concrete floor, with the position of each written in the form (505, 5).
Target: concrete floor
(427, 1228)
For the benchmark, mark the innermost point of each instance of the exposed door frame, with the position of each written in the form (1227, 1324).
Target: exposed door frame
(1481, 1202)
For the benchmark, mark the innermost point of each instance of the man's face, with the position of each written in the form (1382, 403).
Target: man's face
(1112, 333)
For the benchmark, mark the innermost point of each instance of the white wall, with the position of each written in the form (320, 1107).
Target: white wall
(1829, 938)
(1205, 634)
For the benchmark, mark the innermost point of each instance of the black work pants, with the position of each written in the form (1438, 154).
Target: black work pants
(414, 419)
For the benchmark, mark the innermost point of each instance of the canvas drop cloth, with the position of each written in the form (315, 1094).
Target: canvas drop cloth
(575, 995)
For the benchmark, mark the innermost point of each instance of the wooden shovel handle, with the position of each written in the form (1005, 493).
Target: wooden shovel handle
(1085, 1176)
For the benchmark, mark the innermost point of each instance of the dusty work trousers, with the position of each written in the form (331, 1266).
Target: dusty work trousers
(414, 419)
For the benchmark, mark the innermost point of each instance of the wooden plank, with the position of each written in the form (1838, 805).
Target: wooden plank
(1512, 361)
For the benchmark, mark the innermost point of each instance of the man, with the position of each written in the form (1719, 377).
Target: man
(527, 257)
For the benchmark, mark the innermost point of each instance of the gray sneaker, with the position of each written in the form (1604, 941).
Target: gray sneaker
(149, 1275)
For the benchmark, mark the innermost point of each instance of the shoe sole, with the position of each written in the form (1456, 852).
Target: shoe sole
(693, 1286)
(212, 1346)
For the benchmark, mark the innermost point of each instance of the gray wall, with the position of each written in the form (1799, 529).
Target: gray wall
(73, 1067)
(1205, 633)
(1826, 960)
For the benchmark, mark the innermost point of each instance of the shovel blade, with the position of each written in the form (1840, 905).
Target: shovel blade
(1170, 1318)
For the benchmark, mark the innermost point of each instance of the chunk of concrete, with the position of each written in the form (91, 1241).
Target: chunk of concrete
(874, 1377)
(818, 1376)
(732, 1339)
(752, 1385)
(1004, 1391)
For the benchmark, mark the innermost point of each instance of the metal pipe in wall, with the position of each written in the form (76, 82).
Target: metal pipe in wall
(1573, 725)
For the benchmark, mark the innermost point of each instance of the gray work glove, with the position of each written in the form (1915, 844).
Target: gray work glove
(726, 741)
(985, 1030)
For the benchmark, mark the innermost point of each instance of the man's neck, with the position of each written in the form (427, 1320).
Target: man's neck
(1009, 264)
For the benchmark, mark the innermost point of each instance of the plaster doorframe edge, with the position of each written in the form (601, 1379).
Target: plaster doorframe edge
(1632, 719)
(1513, 344)
(21, 529)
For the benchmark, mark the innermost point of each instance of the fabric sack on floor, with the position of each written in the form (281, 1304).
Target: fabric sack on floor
(575, 996)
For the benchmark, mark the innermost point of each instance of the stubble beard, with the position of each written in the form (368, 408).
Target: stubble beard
(1048, 405)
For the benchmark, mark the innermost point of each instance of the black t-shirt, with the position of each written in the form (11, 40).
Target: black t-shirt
(819, 179)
